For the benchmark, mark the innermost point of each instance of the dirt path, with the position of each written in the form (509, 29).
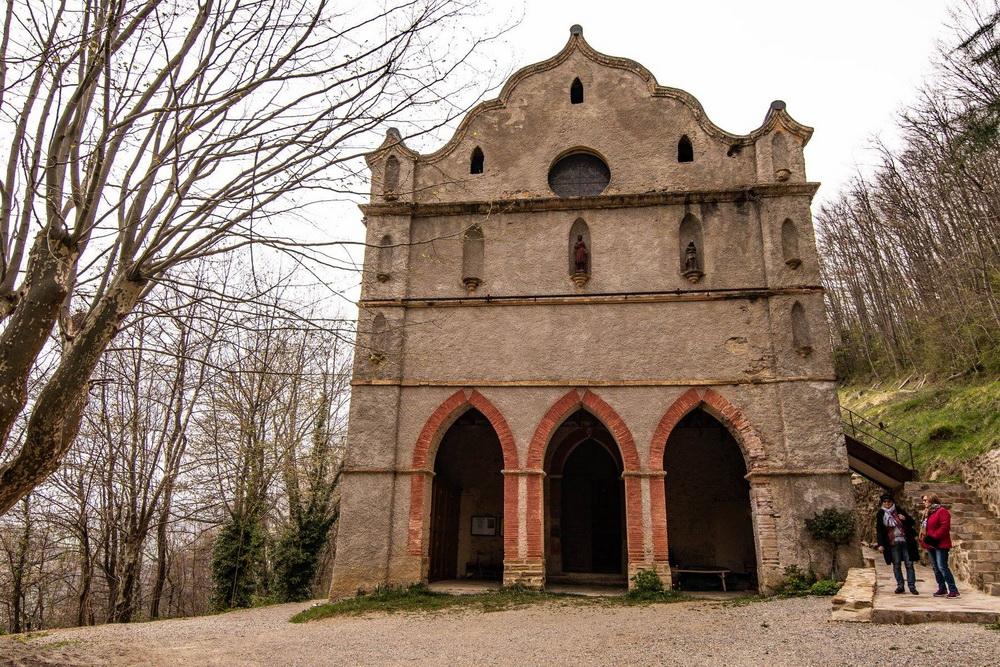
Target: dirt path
(780, 632)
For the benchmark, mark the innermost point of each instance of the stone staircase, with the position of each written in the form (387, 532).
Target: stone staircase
(975, 532)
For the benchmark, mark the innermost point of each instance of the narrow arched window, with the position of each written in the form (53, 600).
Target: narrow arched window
(780, 157)
(581, 251)
(380, 339)
(473, 250)
(383, 262)
(477, 161)
(390, 179)
(692, 248)
(576, 92)
(790, 244)
(685, 151)
(801, 337)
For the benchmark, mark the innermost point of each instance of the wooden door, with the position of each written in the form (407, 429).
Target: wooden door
(445, 503)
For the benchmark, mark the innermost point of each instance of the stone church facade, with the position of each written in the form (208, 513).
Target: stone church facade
(591, 341)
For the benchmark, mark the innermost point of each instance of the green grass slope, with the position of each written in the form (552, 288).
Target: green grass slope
(947, 423)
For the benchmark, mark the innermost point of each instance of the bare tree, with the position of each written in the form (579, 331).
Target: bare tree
(911, 254)
(147, 133)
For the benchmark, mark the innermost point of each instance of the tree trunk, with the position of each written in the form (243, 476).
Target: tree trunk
(128, 576)
(45, 287)
(161, 563)
(55, 417)
(86, 574)
(19, 567)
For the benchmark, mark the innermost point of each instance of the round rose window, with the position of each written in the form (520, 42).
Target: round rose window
(579, 175)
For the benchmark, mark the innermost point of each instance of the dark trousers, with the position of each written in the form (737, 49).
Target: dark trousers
(939, 563)
(900, 554)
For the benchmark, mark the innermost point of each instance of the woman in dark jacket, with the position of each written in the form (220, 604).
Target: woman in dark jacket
(897, 540)
(936, 538)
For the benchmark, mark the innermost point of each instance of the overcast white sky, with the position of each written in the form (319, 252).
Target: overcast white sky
(845, 68)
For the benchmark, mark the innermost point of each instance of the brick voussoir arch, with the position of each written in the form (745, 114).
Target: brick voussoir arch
(568, 404)
(730, 416)
(426, 448)
(555, 415)
(716, 405)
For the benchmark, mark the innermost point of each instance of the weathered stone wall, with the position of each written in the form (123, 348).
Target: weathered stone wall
(983, 475)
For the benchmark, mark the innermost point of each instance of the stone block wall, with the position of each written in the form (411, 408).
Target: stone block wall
(982, 474)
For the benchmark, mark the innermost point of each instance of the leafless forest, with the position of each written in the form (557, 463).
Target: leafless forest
(174, 346)
(911, 253)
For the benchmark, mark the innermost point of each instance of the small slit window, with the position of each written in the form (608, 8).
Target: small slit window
(685, 151)
(477, 161)
(576, 92)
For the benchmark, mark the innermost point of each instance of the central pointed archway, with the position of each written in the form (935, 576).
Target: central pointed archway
(585, 504)
(551, 448)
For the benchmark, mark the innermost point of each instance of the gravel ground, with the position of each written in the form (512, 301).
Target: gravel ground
(779, 632)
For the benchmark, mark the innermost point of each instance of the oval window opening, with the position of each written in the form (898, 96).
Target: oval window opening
(579, 175)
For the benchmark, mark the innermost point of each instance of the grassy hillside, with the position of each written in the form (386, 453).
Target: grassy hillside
(947, 422)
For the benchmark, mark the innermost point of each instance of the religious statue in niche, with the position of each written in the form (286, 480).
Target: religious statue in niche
(581, 261)
(691, 265)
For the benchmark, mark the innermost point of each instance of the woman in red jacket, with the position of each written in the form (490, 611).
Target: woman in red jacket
(936, 538)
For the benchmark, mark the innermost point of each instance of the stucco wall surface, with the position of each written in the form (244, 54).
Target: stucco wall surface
(637, 343)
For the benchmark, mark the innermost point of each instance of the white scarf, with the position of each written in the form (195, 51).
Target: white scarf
(889, 516)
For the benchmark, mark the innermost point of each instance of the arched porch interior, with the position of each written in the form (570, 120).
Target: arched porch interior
(708, 504)
(584, 504)
(466, 540)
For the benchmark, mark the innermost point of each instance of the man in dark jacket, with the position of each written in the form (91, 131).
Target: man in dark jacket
(897, 541)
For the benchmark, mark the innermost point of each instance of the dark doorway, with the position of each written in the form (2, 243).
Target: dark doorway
(585, 504)
(708, 505)
(466, 540)
(591, 511)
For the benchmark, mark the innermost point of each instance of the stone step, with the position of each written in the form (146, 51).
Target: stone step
(993, 589)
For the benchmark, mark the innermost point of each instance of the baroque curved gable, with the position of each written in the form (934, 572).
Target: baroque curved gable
(530, 110)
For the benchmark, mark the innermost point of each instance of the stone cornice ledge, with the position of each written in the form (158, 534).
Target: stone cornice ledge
(657, 198)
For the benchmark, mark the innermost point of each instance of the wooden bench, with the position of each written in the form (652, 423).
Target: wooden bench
(675, 571)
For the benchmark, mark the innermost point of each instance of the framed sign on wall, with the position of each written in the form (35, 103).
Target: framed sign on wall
(484, 526)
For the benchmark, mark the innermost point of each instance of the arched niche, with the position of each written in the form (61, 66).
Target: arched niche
(580, 251)
(692, 248)
(477, 161)
(380, 339)
(780, 157)
(473, 251)
(383, 261)
(801, 336)
(390, 178)
(576, 92)
(685, 150)
(790, 244)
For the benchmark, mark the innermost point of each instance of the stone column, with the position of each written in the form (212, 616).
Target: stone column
(527, 567)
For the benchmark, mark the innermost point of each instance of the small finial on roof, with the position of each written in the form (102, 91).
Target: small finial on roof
(576, 29)
(393, 133)
(778, 105)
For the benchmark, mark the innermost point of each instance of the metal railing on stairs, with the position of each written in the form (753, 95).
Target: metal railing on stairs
(877, 437)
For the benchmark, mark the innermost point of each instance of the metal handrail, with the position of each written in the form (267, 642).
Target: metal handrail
(853, 418)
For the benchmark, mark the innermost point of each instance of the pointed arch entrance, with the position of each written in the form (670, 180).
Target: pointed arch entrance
(467, 502)
(717, 519)
(467, 443)
(585, 502)
(583, 435)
